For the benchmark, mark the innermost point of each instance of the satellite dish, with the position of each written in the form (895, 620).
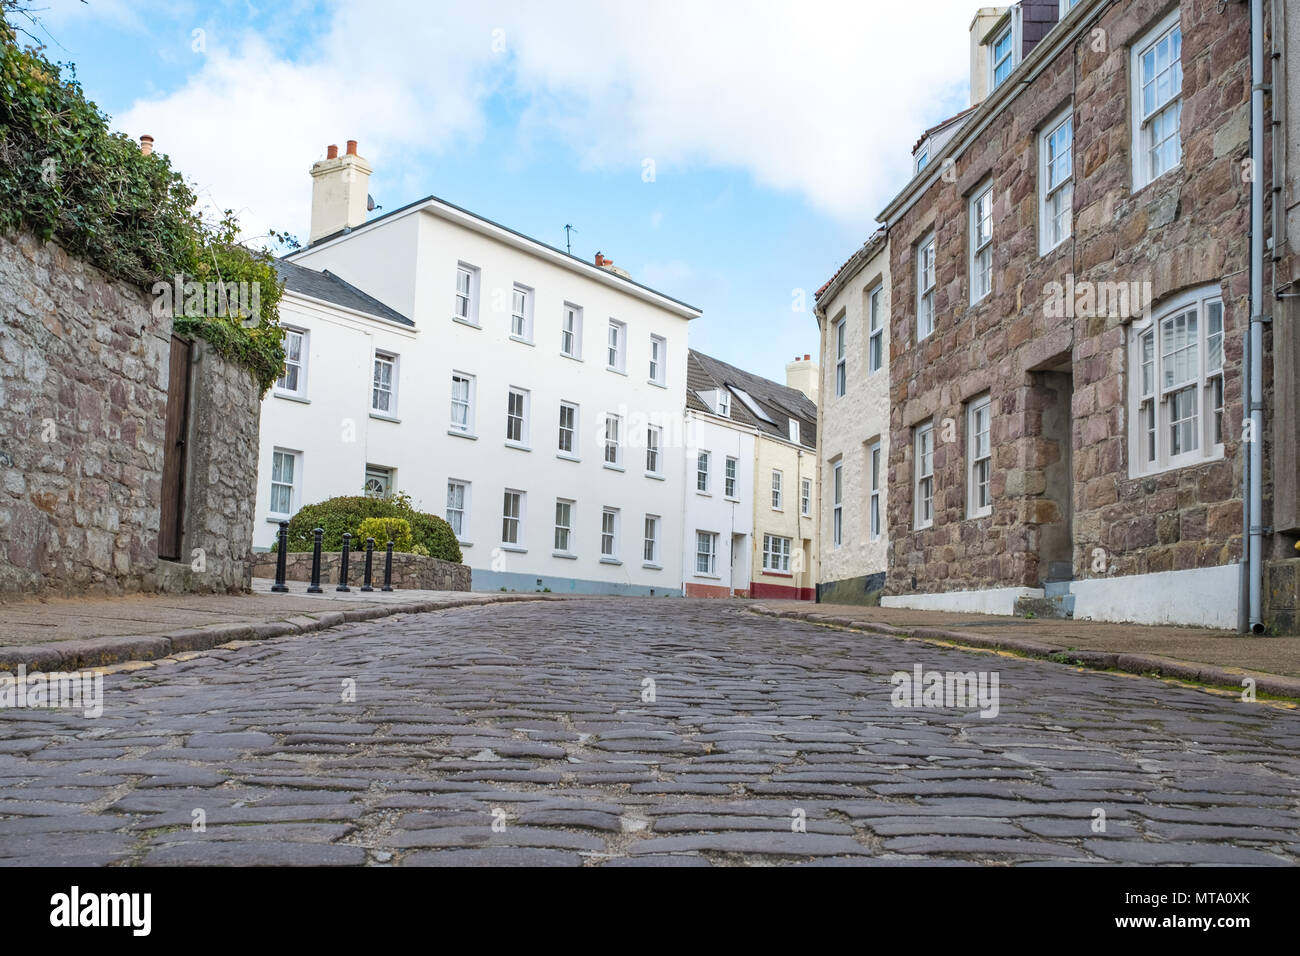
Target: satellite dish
(370, 203)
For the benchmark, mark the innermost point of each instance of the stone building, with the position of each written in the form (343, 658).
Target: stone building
(1070, 278)
(853, 426)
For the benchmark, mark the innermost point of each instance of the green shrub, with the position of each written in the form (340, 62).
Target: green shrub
(346, 512)
(420, 550)
(384, 530)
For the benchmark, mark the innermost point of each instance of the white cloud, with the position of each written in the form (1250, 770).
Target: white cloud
(821, 99)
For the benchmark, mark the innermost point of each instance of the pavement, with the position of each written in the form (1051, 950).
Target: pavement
(632, 732)
(1203, 655)
(75, 633)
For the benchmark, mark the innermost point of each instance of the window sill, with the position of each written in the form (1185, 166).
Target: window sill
(1141, 187)
(974, 515)
(616, 371)
(704, 494)
(460, 434)
(517, 446)
(292, 397)
(514, 549)
(276, 519)
(655, 475)
(1168, 466)
(777, 574)
(608, 560)
(522, 341)
(566, 555)
(466, 322)
(733, 499)
(649, 566)
(779, 511)
(614, 467)
(563, 457)
(571, 358)
(381, 417)
(465, 544)
(663, 385)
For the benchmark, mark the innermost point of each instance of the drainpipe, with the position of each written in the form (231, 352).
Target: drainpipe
(1255, 474)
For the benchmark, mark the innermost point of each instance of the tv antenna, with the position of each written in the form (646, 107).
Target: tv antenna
(568, 244)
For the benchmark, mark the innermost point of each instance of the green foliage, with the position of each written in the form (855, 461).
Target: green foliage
(347, 512)
(420, 550)
(384, 530)
(68, 179)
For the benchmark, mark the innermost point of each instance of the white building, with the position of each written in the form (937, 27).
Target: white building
(533, 398)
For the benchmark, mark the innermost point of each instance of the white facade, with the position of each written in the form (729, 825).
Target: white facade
(477, 395)
(718, 516)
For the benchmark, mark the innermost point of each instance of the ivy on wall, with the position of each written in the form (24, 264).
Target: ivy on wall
(68, 179)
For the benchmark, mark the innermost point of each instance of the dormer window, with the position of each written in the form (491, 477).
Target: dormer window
(722, 402)
(1002, 59)
(923, 157)
(794, 430)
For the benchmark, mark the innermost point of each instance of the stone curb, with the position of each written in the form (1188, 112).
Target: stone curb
(86, 653)
(1142, 664)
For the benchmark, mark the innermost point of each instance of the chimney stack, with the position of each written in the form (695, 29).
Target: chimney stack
(801, 374)
(608, 266)
(146, 144)
(340, 186)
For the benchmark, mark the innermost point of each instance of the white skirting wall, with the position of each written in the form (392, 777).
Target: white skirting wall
(991, 601)
(1198, 597)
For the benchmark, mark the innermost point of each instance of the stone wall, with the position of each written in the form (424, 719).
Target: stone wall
(410, 571)
(1186, 229)
(83, 387)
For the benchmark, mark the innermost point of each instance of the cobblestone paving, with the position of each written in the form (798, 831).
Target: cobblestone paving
(531, 716)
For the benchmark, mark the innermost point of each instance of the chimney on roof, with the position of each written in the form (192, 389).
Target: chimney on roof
(338, 192)
(146, 144)
(801, 374)
(608, 266)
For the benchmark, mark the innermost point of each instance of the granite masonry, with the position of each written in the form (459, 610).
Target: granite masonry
(410, 571)
(84, 384)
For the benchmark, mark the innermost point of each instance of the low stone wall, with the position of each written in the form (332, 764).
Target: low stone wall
(1282, 596)
(410, 571)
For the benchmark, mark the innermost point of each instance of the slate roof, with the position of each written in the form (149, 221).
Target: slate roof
(328, 287)
(780, 403)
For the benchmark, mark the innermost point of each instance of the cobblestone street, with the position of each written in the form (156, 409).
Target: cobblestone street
(518, 734)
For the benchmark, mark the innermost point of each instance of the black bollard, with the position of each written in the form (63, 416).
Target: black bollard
(370, 554)
(314, 587)
(388, 569)
(279, 587)
(343, 564)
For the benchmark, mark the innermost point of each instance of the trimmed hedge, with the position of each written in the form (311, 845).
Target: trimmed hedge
(384, 530)
(346, 512)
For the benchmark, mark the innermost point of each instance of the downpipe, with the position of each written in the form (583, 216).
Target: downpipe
(1255, 358)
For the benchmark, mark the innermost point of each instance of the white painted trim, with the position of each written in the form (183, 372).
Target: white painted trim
(1196, 597)
(990, 601)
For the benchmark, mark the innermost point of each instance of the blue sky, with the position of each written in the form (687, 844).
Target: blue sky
(777, 131)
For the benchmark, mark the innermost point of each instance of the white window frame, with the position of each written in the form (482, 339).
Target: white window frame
(466, 301)
(702, 460)
(926, 260)
(563, 528)
(614, 441)
(1065, 7)
(571, 331)
(1055, 200)
(650, 541)
(521, 313)
(805, 497)
(609, 527)
(778, 490)
(922, 157)
(616, 346)
(923, 476)
(1008, 32)
(294, 484)
(776, 553)
(522, 416)
(730, 469)
(723, 403)
(464, 489)
(471, 383)
(654, 450)
(874, 501)
(979, 457)
(1152, 396)
(519, 507)
(300, 363)
(841, 357)
(837, 503)
(572, 451)
(706, 554)
(980, 210)
(876, 331)
(658, 360)
(1145, 122)
(376, 383)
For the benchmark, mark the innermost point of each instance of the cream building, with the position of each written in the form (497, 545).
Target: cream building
(780, 423)
(853, 426)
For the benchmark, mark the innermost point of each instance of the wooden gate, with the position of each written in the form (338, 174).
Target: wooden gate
(173, 475)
